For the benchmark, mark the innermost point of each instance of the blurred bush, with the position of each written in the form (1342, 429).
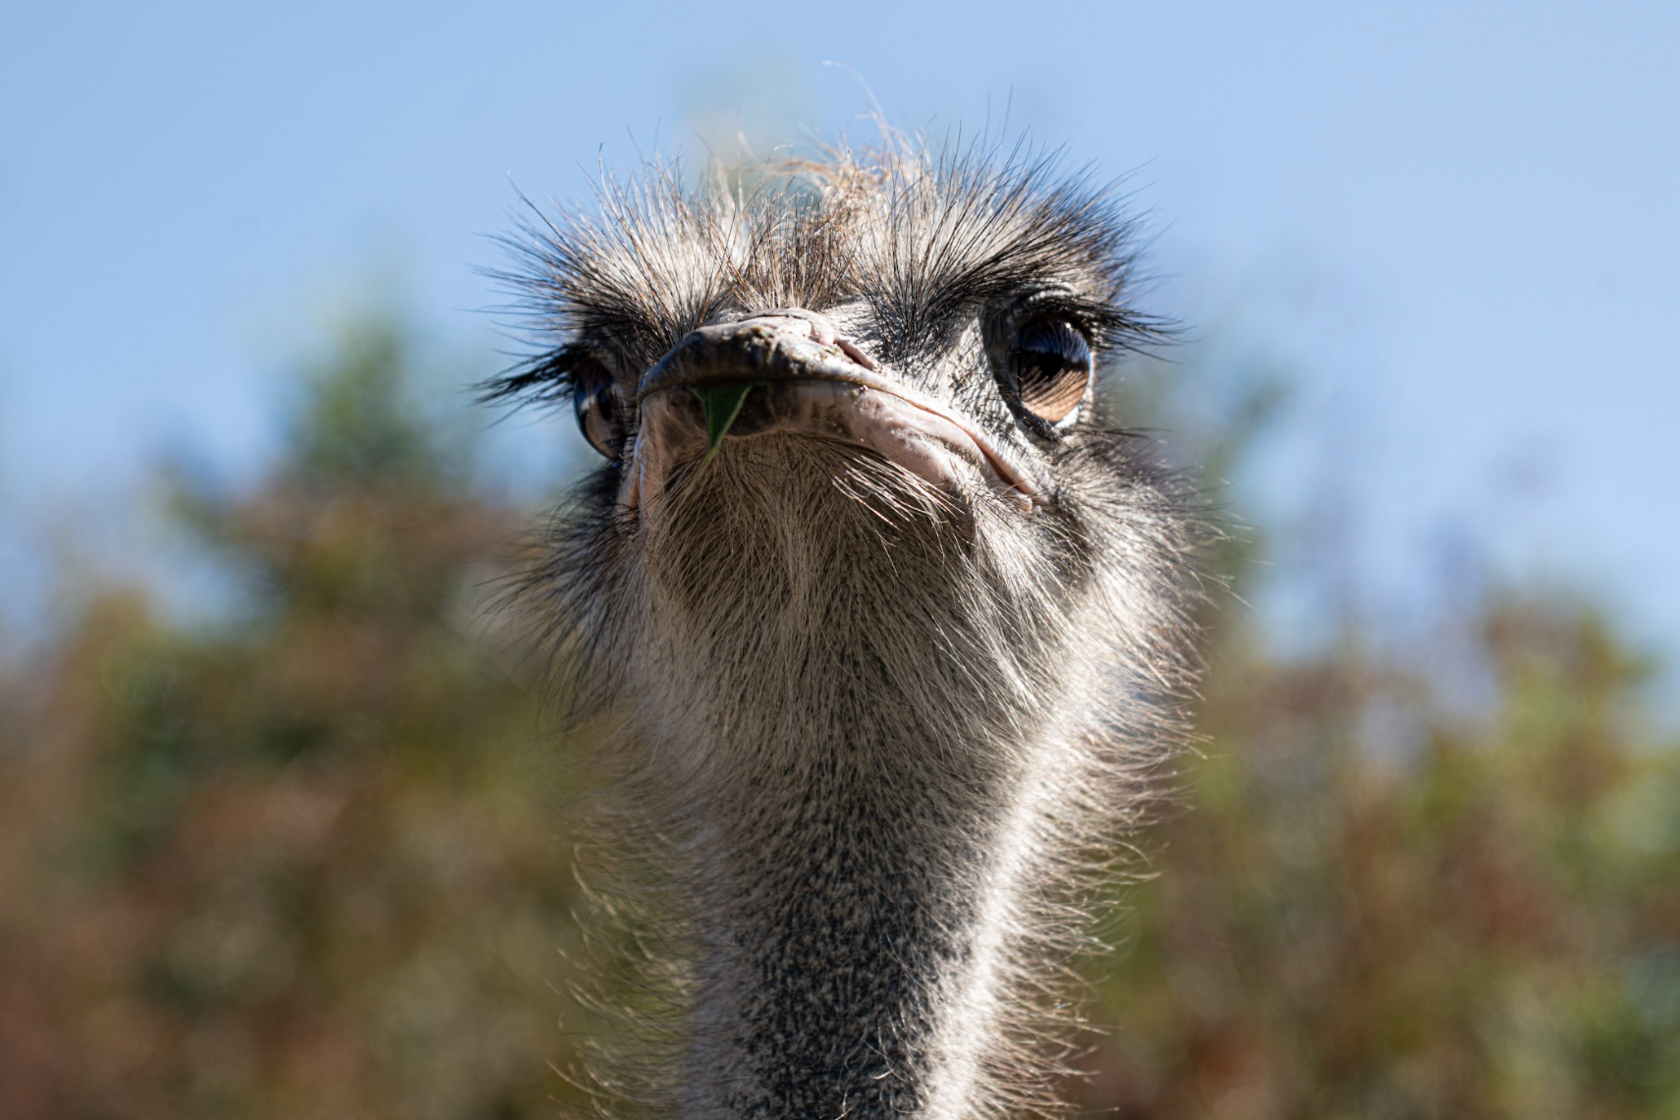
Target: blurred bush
(306, 860)
(301, 862)
(1383, 905)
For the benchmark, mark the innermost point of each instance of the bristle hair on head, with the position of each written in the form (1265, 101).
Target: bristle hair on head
(919, 233)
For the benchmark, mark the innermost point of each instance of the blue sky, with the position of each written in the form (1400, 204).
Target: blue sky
(1458, 223)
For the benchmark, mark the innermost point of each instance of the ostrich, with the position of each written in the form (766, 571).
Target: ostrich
(878, 623)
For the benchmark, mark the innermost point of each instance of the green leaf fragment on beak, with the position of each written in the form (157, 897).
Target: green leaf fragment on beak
(722, 404)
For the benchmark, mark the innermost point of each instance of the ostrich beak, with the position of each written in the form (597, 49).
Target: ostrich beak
(786, 372)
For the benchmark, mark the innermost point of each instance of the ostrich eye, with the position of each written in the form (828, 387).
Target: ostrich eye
(599, 407)
(1051, 364)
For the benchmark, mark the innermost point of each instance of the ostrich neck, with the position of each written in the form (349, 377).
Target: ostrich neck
(856, 914)
(829, 697)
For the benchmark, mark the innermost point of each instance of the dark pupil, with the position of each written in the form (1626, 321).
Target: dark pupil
(1052, 367)
(597, 409)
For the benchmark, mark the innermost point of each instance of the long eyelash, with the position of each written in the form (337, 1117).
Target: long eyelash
(1106, 327)
(545, 379)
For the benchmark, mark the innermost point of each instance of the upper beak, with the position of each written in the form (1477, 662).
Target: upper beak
(792, 345)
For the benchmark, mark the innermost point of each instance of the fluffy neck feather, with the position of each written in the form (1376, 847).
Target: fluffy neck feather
(858, 910)
(873, 730)
(848, 723)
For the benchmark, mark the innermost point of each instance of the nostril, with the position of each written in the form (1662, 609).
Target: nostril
(822, 330)
(855, 354)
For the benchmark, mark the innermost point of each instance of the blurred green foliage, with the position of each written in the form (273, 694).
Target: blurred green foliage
(1381, 907)
(312, 860)
(302, 863)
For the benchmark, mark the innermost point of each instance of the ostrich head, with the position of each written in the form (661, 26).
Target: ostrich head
(874, 613)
